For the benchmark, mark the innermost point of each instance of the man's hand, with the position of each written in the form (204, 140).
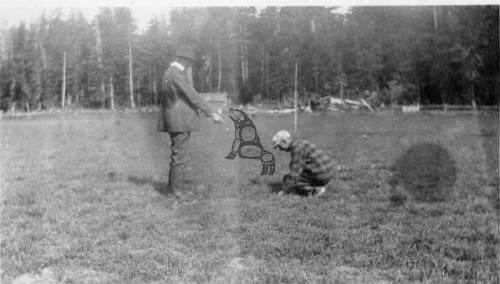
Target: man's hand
(217, 118)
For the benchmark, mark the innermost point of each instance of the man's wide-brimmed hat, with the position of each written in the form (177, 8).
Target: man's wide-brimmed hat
(280, 136)
(186, 52)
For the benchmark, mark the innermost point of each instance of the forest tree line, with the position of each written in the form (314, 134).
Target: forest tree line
(390, 55)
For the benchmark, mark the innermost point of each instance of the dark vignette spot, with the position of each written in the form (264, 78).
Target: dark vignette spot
(426, 171)
(112, 176)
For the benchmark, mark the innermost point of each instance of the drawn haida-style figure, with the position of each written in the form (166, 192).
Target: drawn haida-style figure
(246, 142)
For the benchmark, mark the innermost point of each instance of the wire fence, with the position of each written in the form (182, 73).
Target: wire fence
(220, 104)
(445, 108)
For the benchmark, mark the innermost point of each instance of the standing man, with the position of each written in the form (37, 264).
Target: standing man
(180, 114)
(310, 167)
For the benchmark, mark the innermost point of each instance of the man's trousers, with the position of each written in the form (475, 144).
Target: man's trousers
(179, 147)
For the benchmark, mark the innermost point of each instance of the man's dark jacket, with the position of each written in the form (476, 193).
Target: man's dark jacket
(180, 102)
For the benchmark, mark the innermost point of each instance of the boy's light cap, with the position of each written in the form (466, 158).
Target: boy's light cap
(281, 135)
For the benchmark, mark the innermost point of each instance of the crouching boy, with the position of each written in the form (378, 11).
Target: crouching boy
(310, 167)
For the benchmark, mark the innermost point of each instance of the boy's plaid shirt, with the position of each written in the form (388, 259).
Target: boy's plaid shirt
(309, 159)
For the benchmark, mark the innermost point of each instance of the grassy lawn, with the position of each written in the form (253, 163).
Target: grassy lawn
(80, 203)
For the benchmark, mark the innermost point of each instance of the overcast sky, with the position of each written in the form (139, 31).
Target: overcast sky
(12, 12)
(10, 16)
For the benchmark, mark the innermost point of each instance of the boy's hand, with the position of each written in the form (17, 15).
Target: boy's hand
(217, 118)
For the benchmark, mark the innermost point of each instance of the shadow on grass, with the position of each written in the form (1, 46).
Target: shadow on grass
(276, 186)
(426, 171)
(160, 186)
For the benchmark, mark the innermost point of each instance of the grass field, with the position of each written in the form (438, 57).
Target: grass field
(80, 203)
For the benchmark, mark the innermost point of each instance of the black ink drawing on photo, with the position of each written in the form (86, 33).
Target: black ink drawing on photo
(247, 144)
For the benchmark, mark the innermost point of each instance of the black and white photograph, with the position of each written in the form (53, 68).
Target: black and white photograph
(249, 142)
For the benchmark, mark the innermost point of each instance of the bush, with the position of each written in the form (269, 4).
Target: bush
(401, 93)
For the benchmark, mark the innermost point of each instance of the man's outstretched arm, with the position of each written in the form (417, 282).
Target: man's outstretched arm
(192, 95)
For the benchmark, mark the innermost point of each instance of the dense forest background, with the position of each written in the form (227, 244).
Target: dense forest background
(389, 55)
